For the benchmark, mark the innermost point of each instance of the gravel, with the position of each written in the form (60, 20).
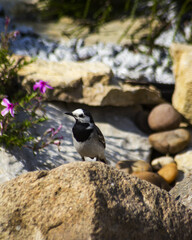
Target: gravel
(125, 64)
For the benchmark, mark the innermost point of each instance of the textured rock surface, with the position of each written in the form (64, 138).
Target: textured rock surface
(88, 83)
(89, 201)
(182, 191)
(184, 162)
(171, 142)
(130, 166)
(10, 167)
(164, 117)
(182, 61)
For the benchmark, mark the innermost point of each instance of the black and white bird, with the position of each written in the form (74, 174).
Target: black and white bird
(87, 137)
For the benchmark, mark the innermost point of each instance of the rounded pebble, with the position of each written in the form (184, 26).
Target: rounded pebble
(169, 172)
(170, 142)
(153, 178)
(160, 162)
(130, 166)
(164, 117)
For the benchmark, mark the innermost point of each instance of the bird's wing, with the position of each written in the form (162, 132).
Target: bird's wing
(100, 136)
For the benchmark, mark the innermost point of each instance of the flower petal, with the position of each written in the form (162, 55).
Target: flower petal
(48, 86)
(11, 110)
(36, 85)
(4, 112)
(5, 102)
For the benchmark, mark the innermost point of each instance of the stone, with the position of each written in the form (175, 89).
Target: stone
(10, 167)
(130, 166)
(184, 162)
(170, 142)
(86, 200)
(86, 83)
(182, 191)
(67, 74)
(182, 96)
(164, 117)
(160, 162)
(124, 95)
(169, 172)
(153, 178)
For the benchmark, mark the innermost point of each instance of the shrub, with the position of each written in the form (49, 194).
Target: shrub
(18, 108)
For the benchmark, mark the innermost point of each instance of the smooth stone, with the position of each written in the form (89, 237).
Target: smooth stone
(169, 172)
(160, 162)
(164, 117)
(130, 166)
(170, 142)
(153, 178)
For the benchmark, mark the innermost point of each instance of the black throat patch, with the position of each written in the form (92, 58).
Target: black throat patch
(81, 132)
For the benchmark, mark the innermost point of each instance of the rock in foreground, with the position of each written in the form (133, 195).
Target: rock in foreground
(89, 201)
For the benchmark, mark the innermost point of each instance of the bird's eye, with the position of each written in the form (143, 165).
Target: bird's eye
(81, 115)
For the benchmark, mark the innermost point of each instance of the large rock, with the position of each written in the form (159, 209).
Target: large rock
(89, 201)
(170, 142)
(182, 191)
(184, 162)
(182, 61)
(86, 82)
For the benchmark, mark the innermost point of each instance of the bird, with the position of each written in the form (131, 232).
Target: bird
(88, 139)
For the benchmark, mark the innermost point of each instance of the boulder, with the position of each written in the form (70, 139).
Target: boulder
(86, 200)
(182, 191)
(171, 142)
(182, 96)
(184, 162)
(169, 172)
(164, 117)
(130, 166)
(86, 82)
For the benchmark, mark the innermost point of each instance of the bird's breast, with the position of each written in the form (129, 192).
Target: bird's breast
(81, 132)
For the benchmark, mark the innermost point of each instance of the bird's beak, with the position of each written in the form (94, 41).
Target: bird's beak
(68, 113)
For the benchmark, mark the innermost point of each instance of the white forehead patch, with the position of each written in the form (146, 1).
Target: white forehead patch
(78, 112)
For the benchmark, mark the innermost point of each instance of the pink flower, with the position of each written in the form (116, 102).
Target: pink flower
(9, 107)
(15, 34)
(7, 21)
(42, 86)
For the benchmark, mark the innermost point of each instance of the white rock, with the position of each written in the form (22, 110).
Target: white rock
(10, 167)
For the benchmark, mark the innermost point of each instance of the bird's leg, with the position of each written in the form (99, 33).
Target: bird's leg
(101, 160)
(83, 159)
